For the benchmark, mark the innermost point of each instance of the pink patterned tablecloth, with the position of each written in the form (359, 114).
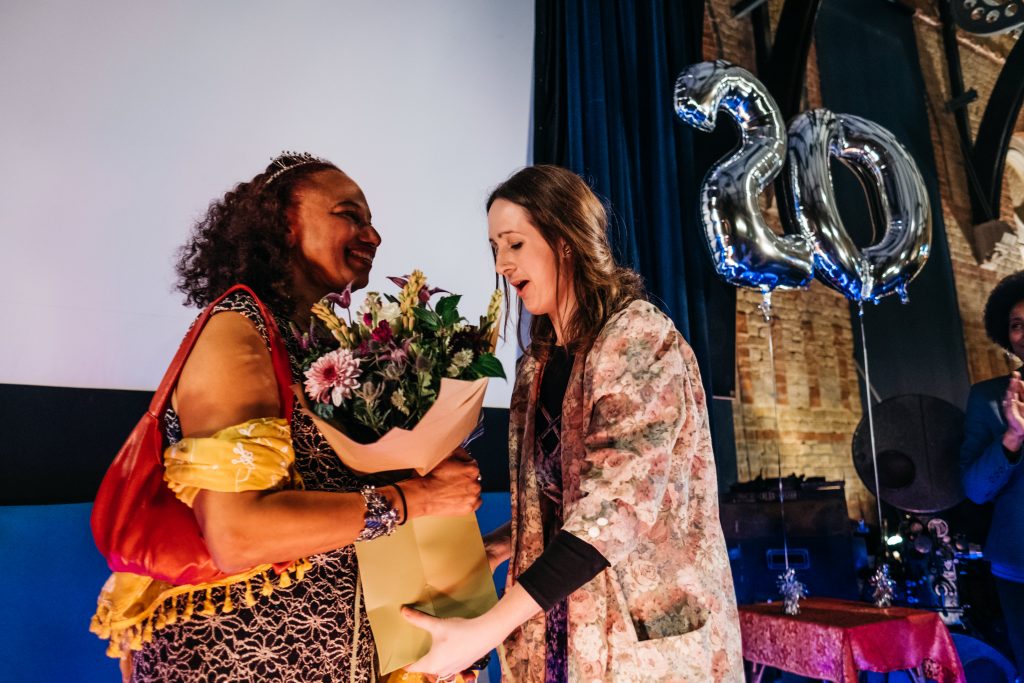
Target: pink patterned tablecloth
(834, 639)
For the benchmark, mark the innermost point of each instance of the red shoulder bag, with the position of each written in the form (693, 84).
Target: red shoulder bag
(137, 522)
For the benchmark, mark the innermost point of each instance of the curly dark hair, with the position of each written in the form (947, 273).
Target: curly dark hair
(1005, 295)
(243, 239)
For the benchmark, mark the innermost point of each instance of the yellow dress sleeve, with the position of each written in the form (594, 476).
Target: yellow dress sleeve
(253, 456)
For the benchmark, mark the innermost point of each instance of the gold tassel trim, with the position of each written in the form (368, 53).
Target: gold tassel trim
(172, 613)
(180, 603)
(208, 608)
(189, 607)
(228, 606)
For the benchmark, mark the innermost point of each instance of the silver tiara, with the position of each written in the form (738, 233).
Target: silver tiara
(287, 160)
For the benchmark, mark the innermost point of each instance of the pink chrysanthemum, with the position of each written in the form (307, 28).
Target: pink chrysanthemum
(333, 377)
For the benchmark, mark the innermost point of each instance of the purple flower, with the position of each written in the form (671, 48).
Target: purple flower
(344, 299)
(382, 335)
(425, 293)
(400, 281)
(423, 363)
(368, 319)
(399, 356)
(299, 338)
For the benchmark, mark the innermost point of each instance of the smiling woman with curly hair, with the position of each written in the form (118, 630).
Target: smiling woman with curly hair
(990, 459)
(265, 490)
(243, 239)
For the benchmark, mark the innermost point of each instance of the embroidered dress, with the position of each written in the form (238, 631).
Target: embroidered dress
(549, 483)
(312, 630)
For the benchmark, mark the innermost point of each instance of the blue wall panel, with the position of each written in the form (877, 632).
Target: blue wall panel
(51, 576)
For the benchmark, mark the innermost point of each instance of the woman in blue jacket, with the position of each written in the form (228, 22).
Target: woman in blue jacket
(990, 459)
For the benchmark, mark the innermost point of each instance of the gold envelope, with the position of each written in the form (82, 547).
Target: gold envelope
(437, 565)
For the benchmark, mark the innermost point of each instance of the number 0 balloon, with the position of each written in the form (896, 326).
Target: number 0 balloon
(892, 183)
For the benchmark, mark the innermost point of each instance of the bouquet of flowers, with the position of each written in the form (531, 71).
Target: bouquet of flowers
(391, 357)
(397, 385)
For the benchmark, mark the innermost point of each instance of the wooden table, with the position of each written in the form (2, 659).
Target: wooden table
(833, 640)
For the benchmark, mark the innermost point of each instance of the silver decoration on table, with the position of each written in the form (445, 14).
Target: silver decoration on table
(883, 586)
(792, 591)
(895, 191)
(745, 250)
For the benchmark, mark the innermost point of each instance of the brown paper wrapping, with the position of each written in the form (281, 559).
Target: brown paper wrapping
(440, 431)
(436, 564)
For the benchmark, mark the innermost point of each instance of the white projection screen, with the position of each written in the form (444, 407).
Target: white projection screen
(122, 120)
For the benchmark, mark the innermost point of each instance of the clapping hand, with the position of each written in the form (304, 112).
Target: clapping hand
(1013, 411)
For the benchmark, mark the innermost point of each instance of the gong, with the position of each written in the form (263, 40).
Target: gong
(918, 441)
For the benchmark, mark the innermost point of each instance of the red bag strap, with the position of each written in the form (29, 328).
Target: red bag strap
(278, 355)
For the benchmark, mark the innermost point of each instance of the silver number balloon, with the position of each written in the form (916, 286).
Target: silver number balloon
(746, 251)
(895, 191)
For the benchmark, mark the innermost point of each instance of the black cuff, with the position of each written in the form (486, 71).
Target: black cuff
(566, 564)
(1013, 457)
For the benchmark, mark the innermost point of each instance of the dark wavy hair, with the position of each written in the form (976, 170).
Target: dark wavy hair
(243, 240)
(563, 207)
(1005, 295)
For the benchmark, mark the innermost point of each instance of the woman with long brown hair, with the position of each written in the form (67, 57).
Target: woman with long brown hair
(618, 569)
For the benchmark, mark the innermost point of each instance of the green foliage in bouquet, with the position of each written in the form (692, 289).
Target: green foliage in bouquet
(382, 367)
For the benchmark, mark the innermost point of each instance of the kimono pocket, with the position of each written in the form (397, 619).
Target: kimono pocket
(678, 625)
(682, 657)
(661, 646)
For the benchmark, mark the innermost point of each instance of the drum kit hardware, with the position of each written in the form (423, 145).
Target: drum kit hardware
(934, 548)
(930, 534)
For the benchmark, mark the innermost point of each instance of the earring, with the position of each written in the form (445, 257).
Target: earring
(566, 251)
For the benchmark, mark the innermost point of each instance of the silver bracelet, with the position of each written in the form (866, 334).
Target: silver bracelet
(380, 519)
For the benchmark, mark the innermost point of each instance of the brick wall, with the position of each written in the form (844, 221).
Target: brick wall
(811, 425)
(981, 59)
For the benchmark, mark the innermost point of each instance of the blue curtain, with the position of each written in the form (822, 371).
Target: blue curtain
(605, 72)
(615, 68)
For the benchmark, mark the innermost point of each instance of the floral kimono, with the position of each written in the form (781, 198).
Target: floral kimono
(639, 485)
